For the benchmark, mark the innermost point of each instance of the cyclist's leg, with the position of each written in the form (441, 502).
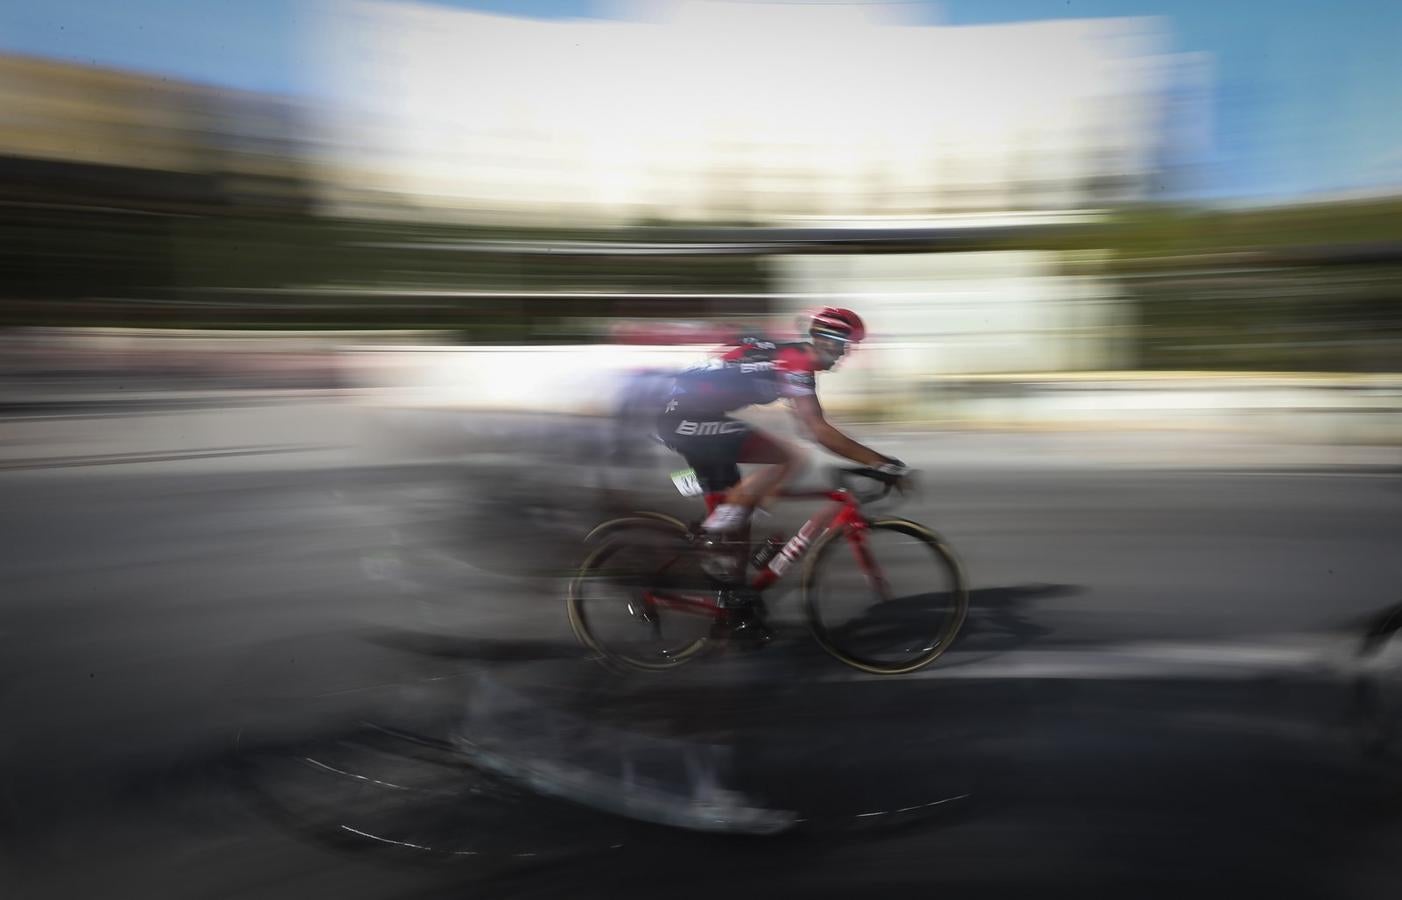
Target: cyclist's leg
(714, 445)
(780, 461)
(776, 461)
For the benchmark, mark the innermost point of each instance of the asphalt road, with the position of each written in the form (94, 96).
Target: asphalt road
(246, 676)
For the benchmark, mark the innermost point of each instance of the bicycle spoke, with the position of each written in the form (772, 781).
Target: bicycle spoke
(623, 603)
(891, 605)
(872, 570)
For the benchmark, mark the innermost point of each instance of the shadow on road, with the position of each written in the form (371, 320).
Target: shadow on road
(470, 649)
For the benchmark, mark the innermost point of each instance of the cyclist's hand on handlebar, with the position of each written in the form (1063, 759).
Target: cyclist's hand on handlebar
(892, 467)
(901, 476)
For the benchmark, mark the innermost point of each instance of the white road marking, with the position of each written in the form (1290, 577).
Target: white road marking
(1236, 660)
(384, 840)
(322, 765)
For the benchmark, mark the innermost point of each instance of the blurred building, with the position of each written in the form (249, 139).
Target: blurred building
(807, 118)
(96, 136)
(735, 112)
(120, 192)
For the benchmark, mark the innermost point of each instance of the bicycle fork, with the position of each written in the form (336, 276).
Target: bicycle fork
(857, 537)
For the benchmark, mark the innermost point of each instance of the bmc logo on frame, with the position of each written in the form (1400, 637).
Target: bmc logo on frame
(793, 549)
(689, 427)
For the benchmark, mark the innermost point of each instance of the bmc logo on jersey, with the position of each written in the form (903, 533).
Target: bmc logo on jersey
(756, 367)
(689, 427)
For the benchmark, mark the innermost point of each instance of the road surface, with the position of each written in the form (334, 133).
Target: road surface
(248, 674)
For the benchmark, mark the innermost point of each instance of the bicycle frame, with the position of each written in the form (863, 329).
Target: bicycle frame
(844, 512)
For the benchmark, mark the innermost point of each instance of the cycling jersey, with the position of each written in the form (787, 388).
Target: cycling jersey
(693, 420)
(754, 373)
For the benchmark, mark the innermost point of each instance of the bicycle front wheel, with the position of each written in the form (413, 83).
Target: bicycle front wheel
(888, 599)
(614, 600)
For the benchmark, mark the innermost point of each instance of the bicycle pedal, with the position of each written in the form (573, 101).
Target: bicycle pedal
(749, 641)
(722, 569)
(738, 599)
(747, 628)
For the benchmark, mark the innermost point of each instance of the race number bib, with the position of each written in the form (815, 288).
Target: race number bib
(688, 485)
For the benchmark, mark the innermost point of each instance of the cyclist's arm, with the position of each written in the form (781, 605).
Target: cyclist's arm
(810, 414)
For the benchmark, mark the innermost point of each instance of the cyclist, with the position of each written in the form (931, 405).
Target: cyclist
(696, 424)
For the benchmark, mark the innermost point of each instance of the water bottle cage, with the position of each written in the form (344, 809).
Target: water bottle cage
(766, 552)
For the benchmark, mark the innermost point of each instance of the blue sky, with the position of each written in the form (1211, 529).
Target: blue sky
(1307, 94)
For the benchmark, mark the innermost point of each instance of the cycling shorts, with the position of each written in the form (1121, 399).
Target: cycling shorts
(711, 444)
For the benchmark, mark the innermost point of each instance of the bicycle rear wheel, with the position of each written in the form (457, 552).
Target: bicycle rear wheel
(890, 607)
(612, 599)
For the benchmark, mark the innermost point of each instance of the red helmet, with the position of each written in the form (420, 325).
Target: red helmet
(837, 323)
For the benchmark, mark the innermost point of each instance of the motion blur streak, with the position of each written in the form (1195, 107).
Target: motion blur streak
(309, 400)
(726, 112)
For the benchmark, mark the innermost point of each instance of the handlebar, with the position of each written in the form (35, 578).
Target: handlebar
(845, 476)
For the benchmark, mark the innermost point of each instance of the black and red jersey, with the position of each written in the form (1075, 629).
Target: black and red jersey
(754, 372)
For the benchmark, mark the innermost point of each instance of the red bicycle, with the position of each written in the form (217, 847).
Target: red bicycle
(890, 606)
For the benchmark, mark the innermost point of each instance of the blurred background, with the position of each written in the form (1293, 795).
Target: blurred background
(315, 315)
(1013, 197)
